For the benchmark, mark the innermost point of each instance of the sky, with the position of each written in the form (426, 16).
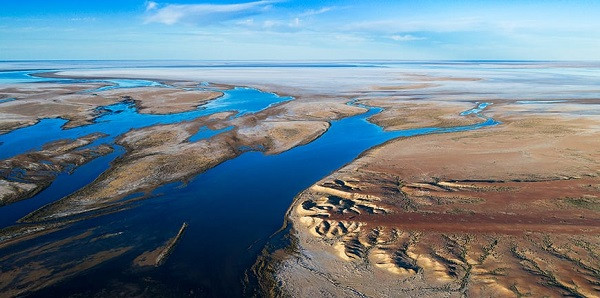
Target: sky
(300, 30)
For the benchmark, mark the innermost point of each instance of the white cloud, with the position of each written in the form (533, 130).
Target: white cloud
(246, 22)
(295, 22)
(442, 25)
(82, 19)
(203, 13)
(279, 25)
(314, 12)
(406, 37)
(351, 38)
(270, 24)
(459, 24)
(293, 25)
(150, 5)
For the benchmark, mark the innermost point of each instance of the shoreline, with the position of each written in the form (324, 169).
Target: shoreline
(309, 108)
(270, 262)
(317, 250)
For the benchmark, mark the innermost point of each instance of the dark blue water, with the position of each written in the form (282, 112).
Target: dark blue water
(64, 184)
(231, 209)
(115, 120)
(234, 208)
(205, 133)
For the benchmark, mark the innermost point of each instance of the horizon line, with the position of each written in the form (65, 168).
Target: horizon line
(297, 60)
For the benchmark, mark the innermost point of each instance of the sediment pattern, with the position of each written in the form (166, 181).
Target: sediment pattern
(452, 252)
(465, 214)
(25, 175)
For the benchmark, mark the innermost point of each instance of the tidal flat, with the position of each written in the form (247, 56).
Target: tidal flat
(375, 171)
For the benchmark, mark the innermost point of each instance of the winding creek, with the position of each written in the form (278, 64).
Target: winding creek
(231, 209)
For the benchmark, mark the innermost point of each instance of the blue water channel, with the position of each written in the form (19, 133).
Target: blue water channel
(231, 209)
(115, 120)
(119, 118)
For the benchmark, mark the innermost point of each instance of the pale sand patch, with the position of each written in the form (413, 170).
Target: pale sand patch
(37, 101)
(404, 87)
(157, 100)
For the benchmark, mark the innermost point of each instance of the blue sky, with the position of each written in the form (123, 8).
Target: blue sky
(300, 30)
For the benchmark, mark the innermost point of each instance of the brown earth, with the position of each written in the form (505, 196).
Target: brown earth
(512, 210)
(158, 256)
(35, 101)
(158, 100)
(406, 114)
(25, 175)
(404, 87)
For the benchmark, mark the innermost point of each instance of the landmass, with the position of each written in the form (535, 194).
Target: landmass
(25, 175)
(157, 100)
(158, 256)
(505, 210)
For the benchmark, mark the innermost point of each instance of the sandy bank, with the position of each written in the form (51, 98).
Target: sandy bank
(155, 100)
(37, 101)
(25, 175)
(404, 114)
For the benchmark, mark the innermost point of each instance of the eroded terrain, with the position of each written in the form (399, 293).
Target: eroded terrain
(512, 210)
